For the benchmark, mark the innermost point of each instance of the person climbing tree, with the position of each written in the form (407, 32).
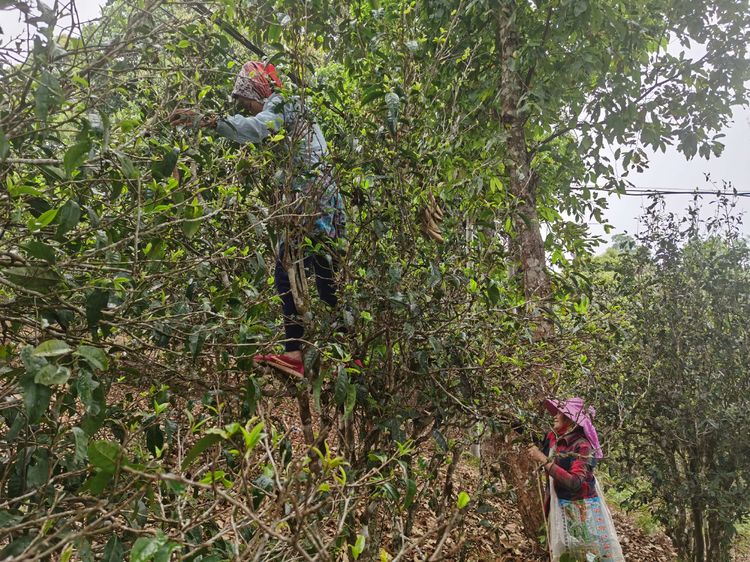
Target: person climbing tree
(579, 523)
(311, 200)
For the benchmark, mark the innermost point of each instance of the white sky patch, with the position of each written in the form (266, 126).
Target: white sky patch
(13, 21)
(671, 171)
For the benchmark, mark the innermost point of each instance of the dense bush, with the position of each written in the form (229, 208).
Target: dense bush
(677, 380)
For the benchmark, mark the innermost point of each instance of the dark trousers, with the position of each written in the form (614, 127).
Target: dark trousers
(324, 267)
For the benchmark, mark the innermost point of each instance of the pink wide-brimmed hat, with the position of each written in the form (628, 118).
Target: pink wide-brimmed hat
(575, 409)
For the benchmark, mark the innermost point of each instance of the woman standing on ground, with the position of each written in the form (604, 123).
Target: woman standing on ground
(578, 519)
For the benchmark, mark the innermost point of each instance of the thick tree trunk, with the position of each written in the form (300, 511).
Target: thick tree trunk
(699, 549)
(522, 180)
(527, 243)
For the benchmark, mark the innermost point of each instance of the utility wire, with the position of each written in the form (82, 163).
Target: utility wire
(649, 191)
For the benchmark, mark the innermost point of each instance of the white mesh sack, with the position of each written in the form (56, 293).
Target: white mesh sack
(582, 530)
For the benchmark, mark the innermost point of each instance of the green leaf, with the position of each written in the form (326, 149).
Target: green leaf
(411, 491)
(81, 441)
(36, 397)
(274, 32)
(53, 173)
(40, 250)
(358, 547)
(37, 474)
(192, 223)
(440, 440)
(201, 445)
(8, 519)
(317, 386)
(127, 166)
(393, 103)
(60, 315)
(154, 438)
(52, 374)
(76, 155)
(463, 500)
(85, 387)
(286, 452)
(31, 361)
(84, 551)
(67, 218)
(351, 400)
(163, 168)
(105, 455)
(94, 356)
(4, 146)
(96, 301)
(96, 414)
(389, 491)
(195, 342)
(98, 482)
(19, 190)
(251, 395)
(145, 548)
(372, 93)
(51, 348)
(262, 487)
(165, 552)
(38, 223)
(47, 95)
(204, 92)
(252, 438)
(16, 547)
(35, 278)
(67, 553)
(341, 390)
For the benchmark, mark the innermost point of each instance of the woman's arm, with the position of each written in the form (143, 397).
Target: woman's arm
(243, 129)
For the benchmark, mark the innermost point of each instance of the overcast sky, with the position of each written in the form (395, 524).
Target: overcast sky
(668, 170)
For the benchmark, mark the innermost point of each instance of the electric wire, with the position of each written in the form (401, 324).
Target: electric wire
(654, 191)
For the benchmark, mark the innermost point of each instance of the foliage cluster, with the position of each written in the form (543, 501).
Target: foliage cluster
(134, 297)
(677, 383)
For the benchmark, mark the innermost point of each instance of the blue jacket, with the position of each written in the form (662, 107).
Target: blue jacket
(311, 170)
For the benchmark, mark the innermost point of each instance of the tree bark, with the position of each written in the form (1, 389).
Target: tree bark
(527, 243)
(719, 535)
(523, 180)
(699, 549)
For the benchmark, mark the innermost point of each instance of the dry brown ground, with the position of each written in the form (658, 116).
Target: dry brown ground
(499, 537)
(495, 534)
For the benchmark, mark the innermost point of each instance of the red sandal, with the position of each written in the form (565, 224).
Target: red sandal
(292, 367)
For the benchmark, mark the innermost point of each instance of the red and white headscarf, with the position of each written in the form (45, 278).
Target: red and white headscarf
(256, 81)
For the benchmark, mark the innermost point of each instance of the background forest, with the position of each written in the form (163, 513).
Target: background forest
(136, 278)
